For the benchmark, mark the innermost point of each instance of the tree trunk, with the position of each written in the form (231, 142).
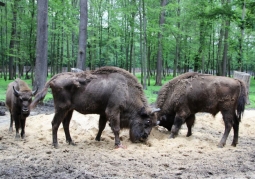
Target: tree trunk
(13, 41)
(177, 40)
(41, 45)
(219, 56)
(81, 61)
(225, 50)
(144, 46)
(160, 38)
(240, 40)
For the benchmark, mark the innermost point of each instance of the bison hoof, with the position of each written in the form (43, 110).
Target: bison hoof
(97, 138)
(172, 136)
(220, 145)
(120, 146)
(55, 145)
(17, 137)
(10, 130)
(233, 144)
(188, 134)
(71, 143)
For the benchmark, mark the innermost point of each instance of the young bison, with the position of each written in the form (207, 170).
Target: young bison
(182, 97)
(18, 98)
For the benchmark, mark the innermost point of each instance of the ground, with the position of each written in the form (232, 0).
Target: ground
(160, 157)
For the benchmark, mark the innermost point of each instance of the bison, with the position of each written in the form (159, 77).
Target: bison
(18, 98)
(111, 92)
(183, 96)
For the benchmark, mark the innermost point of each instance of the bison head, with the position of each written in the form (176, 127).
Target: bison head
(140, 128)
(24, 100)
(166, 121)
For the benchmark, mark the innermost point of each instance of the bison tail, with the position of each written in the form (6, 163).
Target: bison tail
(241, 101)
(38, 97)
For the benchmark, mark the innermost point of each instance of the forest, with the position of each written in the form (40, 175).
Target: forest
(156, 38)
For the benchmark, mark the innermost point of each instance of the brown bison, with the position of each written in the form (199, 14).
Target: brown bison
(182, 97)
(18, 98)
(111, 92)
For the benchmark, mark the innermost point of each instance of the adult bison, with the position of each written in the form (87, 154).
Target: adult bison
(18, 98)
(189, 93)
(111, 92)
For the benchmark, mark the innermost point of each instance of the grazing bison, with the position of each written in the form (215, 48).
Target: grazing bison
(111, 92)
(18, 98)
(189, 93)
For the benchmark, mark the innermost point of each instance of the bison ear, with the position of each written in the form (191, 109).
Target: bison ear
(143, 112)
(16, 93)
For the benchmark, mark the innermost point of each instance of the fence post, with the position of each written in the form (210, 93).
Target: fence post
(245, 77)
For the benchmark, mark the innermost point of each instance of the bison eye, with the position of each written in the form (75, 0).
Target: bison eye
(148, 123)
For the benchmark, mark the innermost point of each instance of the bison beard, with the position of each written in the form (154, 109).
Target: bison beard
(18, 98)
(111, 92)
(182, 97)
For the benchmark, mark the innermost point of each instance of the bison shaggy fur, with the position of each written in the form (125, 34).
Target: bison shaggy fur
(184, 96)
(18, 99)
(111, 92)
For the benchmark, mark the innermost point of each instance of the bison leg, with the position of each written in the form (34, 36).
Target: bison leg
(57, 119)
(190, 122)
(102, 123)
(17, 126)
(11, 124)
(66, 123)
(23, 124)
(236, 130)
(178, 121)
(228, 126)
(114, 120)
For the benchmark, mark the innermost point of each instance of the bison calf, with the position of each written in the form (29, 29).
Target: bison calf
(189, 93)
(18, 98)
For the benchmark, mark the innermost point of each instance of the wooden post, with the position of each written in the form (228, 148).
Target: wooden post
(245, 77)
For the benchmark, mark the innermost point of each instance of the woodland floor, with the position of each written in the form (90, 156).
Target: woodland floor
(160, 157)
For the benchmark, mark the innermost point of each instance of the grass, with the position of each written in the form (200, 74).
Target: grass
(151, 92)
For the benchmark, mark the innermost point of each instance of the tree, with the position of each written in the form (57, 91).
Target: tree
(41, 45)
(13, 40)
(81, 61)
(160, 48)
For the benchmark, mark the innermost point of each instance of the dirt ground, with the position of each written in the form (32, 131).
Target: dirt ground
(160, 157)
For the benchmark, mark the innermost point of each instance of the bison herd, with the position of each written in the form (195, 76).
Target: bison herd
(117, 97)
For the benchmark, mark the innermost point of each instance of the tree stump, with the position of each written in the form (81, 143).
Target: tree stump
(245, 77)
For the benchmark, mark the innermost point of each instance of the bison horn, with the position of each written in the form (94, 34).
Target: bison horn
(155, 110)
(16, 92)
(34, 92)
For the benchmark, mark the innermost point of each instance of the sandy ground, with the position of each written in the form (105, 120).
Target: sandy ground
(160, 157)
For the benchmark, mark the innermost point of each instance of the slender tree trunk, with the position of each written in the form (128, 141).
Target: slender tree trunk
(240, 39)
(177, 40)
(144, 24)
(13, 41)
(225, 50)
(132, 35)
(81, 61)
(160, 39)
(219, 56)
(41, 45)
